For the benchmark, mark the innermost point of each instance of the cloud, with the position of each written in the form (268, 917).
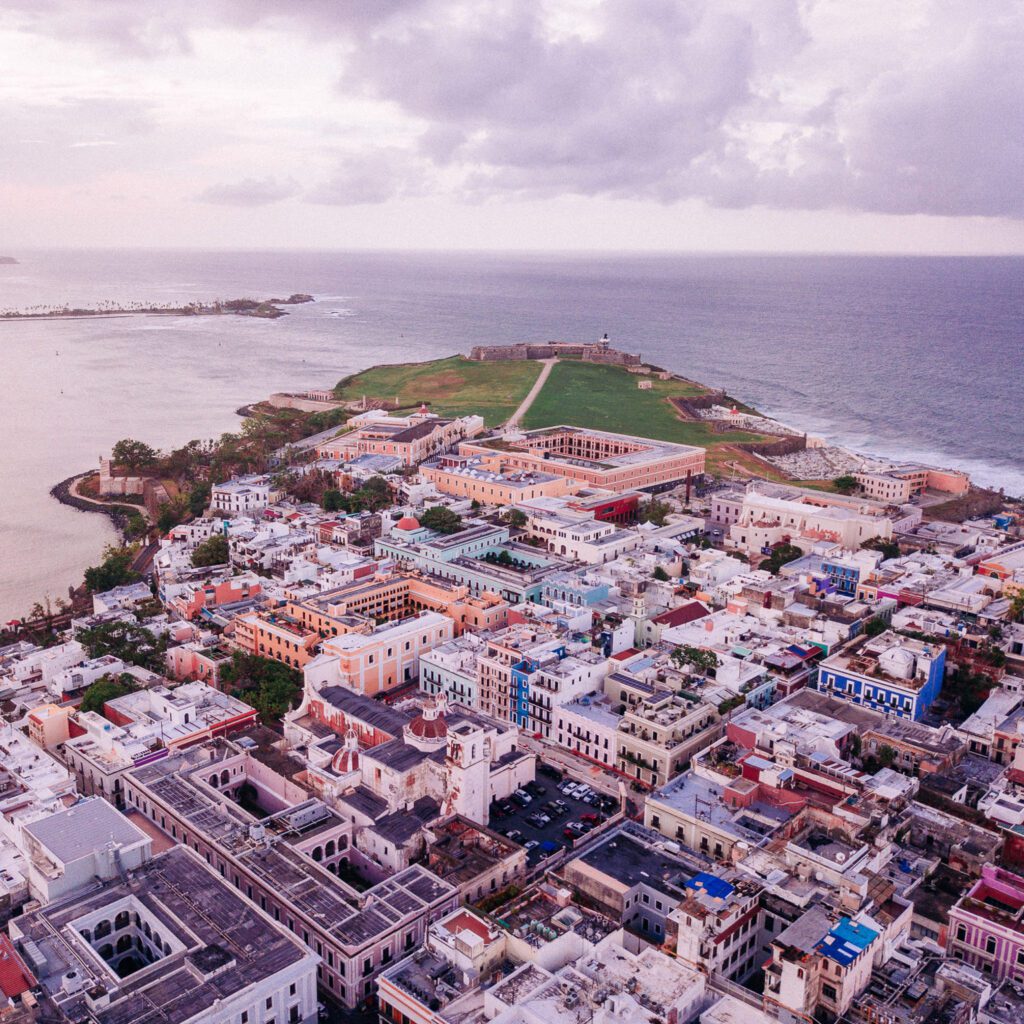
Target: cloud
(787, 104)
(386, 173)
(249, 192)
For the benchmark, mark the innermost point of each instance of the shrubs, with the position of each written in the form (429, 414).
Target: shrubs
(213, 551)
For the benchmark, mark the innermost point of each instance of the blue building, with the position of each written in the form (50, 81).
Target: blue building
(888, 673)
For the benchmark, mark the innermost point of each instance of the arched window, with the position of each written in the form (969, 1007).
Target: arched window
(213, 781)
(122, 920)
(329, 848)
(224, 777)
(102, 929)
(124, 944)
(318, 853)
(107, 951)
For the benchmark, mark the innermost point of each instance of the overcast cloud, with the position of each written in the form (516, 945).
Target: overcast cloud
(909, 110)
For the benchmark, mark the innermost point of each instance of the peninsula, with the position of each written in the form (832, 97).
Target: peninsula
(267, 309)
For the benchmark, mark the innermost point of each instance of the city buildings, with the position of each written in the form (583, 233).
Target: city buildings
(890, 673)
(594, 458)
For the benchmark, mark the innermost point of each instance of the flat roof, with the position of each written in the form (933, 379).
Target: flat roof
(83, 829)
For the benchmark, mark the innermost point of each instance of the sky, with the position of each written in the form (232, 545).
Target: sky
(724, 125)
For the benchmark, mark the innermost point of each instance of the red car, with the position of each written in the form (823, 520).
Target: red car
(592, 818)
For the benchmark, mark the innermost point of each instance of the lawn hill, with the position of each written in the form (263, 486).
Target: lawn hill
(577, 393)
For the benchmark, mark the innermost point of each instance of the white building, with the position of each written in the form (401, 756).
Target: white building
(243, 494)
(69, 850)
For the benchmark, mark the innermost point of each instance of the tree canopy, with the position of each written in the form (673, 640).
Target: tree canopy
(845, 484)
(133, 455)
(702, 660)
(212, 551)
(132, 643)
(114, 571)
(271, 687)
(441, 519)
(779, 557)
(106, 688)
(654, 511)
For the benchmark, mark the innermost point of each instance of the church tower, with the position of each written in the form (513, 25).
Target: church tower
(468, 773)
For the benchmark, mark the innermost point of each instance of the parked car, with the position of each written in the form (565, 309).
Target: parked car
(531, 845)
(515, 835)
(549, 846)
(522, 798)
(594, 819)
(506, 806)
(549, 770)
(573, 830)
(535, 788)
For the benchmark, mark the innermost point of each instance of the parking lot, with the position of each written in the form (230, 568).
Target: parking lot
(549, 838)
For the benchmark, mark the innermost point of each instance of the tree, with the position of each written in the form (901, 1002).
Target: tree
(886, 755)
(114, 571)
(212, 551)
(845, 484)
(334, 500)
(779, 557)
(375, 494)
(198, 499)
(889, 548)
(135, 526)
(128, 641)
(269, 686)
(654, 511)
(660, 574)
(701, 659)
(516, 518)
(133, 455)
(171, 513)
(106, 688)
(441, 519)
(874, 626)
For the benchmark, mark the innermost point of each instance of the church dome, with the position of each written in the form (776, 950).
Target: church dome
(428, 728)
(407, 523)
(345, 761)
(429, 724)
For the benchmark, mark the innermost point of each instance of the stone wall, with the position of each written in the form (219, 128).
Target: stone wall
(600, 352)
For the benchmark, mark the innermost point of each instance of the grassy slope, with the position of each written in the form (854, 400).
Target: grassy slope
(452, 386)
(607, 398)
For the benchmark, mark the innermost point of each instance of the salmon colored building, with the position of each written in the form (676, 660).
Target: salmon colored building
(275, 635)
(595, 458)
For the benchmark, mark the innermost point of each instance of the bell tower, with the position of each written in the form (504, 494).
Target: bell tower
(467, 770)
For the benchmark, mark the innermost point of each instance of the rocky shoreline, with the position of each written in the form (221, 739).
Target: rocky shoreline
(117, 513)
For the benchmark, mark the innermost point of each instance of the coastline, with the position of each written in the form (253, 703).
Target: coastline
(117, 513)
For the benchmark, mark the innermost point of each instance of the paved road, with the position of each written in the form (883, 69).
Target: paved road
(516, 418)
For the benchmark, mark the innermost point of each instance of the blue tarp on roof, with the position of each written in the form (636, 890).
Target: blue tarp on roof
(846, 941)
(716, 888)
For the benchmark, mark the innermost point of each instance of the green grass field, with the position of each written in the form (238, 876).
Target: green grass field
(607, 398)
(454, 386)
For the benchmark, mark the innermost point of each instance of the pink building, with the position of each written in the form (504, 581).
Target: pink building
(986, 929)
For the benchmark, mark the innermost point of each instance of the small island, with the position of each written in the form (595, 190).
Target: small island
(266, 309)
(8, 261)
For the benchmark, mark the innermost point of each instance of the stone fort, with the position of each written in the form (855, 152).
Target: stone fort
(595, 352)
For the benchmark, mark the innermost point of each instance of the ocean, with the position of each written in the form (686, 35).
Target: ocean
(910, 357)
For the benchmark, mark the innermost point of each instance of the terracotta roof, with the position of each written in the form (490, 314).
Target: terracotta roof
(429, 728)
(15, 977)
(623, 655)
(407, 523)
(688, 612)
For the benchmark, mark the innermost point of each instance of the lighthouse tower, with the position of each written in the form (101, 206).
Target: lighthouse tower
(467, 767)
